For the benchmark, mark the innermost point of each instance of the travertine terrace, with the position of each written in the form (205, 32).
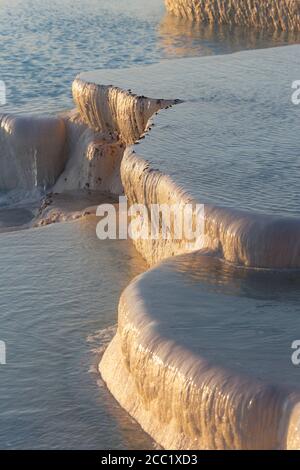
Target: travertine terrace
(177, 396)
(264, 14)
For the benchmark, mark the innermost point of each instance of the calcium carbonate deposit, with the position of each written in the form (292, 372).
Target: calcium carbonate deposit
(274, 14)
(179, 393)
(201, 357)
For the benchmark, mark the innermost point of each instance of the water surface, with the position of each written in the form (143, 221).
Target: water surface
(59, 286)
(59, 292)
(235, 139)
(242, 319)
(45, 44)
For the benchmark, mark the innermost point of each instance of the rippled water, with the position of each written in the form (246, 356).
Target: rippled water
(44, 45)
(243, 319)
(60, 286)
(239, 145)
(59, 291)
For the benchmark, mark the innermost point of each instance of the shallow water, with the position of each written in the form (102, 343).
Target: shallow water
(59, 291)
(239, 145)
(242, 319)
(60, 286)
(12, 218)
(44, 45)
(242, 138)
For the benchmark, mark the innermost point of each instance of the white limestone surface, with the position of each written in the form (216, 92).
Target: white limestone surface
(178, 396)
(31, 151)
(231, 107)
(194, 363)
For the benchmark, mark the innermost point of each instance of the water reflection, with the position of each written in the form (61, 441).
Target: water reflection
(179, 37)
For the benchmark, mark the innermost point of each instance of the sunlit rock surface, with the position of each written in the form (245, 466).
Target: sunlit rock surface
(106, 119)
(180, 390)
(180, 396)
(112, 109)
(228, 143)
(93, 158)
(195, 364)
(31, 151)
(274, 14)
(69, 206)
(180, 37)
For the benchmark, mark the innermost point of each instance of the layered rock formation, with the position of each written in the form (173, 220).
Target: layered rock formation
(106, 120)
(31, 151)
(181, 398)
(178, 397)
(93, 158)
(252, 239)
(267, 14)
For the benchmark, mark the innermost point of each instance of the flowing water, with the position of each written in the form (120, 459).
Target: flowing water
(59, 285)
